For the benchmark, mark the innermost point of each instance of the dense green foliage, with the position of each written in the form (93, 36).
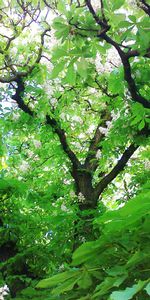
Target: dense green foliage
(115, 262)
(74, 206)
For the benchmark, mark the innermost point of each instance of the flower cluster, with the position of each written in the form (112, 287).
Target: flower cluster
(112, 60)
(81, 198)
(37, 143)
(24, 167)
(4, 291)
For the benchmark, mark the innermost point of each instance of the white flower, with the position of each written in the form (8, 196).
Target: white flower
(36, 158)
(81, 136)
(78, 146)
(91, 128)
(103, 130)
(4, 290)
(98, 154)
(81, 198)
(46, 169)
(72, 194)
(83, 239)
(112, 60)
(30, 153)
(64, 208)
(24, 166)
(65, 116)
(108, 123)
(77, 119)
(66, 181)
(15, 116)
(31, 105)
(115, 116)
(37, 143)
(62, 115)
(53, 101)
(61, 267)
(147, 164)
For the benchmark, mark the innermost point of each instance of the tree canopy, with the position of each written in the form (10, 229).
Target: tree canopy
(74, 208)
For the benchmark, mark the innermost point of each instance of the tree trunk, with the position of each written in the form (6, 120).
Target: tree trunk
(87, 204)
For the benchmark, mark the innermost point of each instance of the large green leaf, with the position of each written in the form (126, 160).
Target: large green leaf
(117, 4)
(70, 75)
(128, 293)
(57, 279)
(107, 284)
(57, 69)
(67, 286)
(82, 67)
(147, 288)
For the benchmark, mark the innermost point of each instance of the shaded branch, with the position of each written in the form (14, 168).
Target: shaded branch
(128, 73)
(100, 22)
(18, 97)
(63, 140)
(16, 74)
(134, 53)
(105, 89)
(131, 84)
(116, 170)
(124, 58)
(145, 6)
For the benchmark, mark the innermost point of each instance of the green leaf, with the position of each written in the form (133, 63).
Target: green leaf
(62, 33)
(57, 69)
(128, 293)
(70, 75)
(56, 279)
(83, 252)
(58, 53)
(61, 7)
(107, 284)
(132, 18)
(117, 4)
(125, 24)
(82, 66)
(85, 281)
(104, 287)
(67, 286)
(141, 125)
(58, 23)
(136, 120)
(147, 288)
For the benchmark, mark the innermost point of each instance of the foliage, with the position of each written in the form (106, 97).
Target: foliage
(117, 264)
(74, 90)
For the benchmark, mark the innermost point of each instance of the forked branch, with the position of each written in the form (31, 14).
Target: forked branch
(116, 170)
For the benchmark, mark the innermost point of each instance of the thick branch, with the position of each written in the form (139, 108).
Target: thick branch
(124, 58)
(116, 170)
(128, 74)
(62, 137)
(18, 97)
(134, 53)
(103, 24)
(131, 84)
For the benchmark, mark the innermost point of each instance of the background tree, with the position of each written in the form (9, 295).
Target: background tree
(74, 90)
